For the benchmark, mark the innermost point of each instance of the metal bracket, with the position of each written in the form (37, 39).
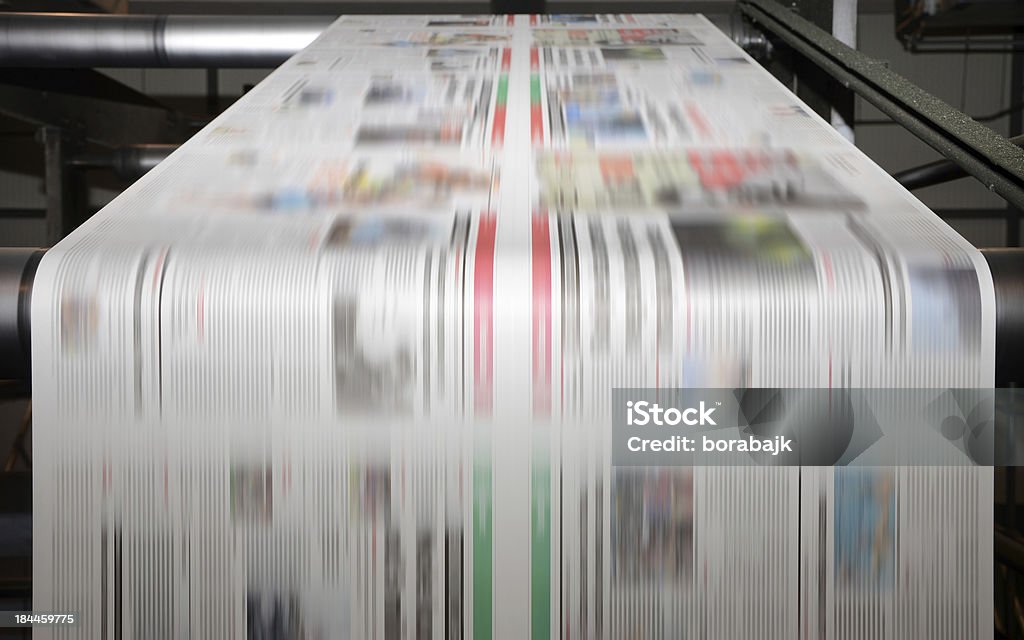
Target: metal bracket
(982, 153)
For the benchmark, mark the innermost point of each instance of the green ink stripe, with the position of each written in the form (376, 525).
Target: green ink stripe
(540, 545)
(483, 585)
(502, 89)
(534, 89)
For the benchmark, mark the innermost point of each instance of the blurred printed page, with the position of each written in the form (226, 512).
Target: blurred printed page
(342, 365)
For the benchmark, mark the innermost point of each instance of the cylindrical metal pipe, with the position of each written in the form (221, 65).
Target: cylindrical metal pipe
(93, 40)
(17, 268)
(929, 174)
(937, 172)
(128, 162)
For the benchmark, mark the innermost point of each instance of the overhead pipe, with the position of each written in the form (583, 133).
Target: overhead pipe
(96, 40)
(937, 172)
(127, 162)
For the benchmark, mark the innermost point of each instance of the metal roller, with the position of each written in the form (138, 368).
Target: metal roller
(128, 162)
(17, 268)
(1007, 266)
(85, 40)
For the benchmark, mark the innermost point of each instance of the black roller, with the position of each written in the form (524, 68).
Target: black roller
(17, 269)
(127, 162)
(1007, 266)
(18, 266)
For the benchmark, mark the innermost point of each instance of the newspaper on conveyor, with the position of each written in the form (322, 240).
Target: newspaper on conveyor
(342, 365)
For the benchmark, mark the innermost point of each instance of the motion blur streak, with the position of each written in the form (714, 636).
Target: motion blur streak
(342, 365)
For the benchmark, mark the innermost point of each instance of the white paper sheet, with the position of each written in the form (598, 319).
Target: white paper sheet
(341, 366)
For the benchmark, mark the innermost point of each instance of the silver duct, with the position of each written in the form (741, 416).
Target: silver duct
(87, 40)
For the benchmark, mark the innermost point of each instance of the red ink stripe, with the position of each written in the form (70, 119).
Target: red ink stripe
(498, 130)
(536, 124)
(483, 315)
(541, 245)
(536, 113)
